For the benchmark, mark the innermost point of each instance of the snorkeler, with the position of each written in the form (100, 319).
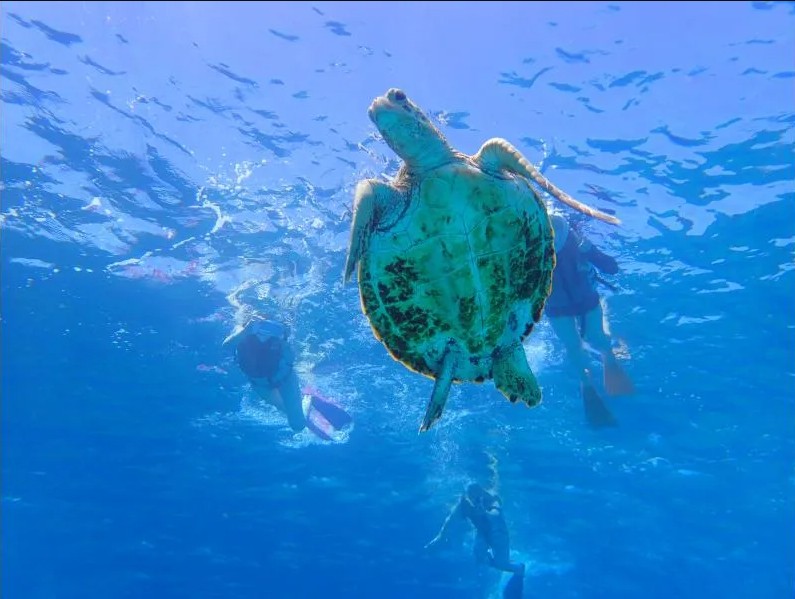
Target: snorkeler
(575, 313)
(492, 544)
(266, 358)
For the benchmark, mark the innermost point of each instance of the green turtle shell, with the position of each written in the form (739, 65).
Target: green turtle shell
(467, 265)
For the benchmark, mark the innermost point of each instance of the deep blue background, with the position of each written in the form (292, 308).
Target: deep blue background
(165, 163)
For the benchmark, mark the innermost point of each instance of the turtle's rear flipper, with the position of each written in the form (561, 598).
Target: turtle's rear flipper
(513, 377)
(441, 390)
(596, 413)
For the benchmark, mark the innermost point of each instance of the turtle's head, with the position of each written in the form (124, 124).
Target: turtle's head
(408, 131)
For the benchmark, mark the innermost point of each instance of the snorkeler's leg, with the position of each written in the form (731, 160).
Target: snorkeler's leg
(480, 550)
(567, 329)
(501, 555)
(501, 560)
(616, 380)
(290, 390)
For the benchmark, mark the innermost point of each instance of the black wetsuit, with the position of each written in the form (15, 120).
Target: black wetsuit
(573, 289)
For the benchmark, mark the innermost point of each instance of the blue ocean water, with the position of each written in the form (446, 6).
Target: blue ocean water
(167, 165)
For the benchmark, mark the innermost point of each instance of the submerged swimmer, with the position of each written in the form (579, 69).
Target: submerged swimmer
(492, 545)
(267, 359)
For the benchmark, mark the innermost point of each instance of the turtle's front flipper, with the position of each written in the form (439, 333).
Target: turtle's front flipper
(499, 155)
(513, 377)
(441, 390)
(373, 199)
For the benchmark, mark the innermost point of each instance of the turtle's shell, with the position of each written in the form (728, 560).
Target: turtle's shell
(468, 265)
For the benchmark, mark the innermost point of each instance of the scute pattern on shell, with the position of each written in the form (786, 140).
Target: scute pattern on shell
(470, 260)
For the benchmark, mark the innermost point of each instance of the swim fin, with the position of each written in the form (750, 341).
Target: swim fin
(324, 417)
(515, 587)
(336, 416)
(615, 379)
(596, 413)
(317, 429)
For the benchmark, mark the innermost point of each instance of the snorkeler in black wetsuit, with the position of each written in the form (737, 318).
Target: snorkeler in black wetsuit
(575, 313)
(492, 541)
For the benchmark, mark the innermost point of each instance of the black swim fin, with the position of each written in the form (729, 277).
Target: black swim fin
(596, 413)
(515, 587)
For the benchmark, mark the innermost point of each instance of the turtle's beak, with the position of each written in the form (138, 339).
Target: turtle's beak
(379, 105)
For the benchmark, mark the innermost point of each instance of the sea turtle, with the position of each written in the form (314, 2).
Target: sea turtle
(455, 256)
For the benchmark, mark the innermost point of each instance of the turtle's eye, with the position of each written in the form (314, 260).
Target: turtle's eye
(397, 95)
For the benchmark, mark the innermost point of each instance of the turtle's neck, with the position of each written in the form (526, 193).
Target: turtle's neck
(429, 153)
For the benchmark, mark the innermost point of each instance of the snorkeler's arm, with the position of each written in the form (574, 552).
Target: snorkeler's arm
(455, 514)
(607, 264)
